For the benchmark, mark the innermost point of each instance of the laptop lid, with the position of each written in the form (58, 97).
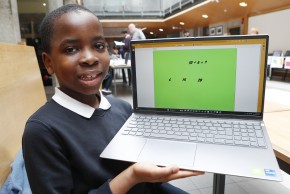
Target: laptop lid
(203, 76)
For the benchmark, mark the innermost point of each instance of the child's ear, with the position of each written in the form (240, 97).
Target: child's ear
(47, 63)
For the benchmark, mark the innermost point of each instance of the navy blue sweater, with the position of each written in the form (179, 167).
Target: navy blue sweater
(61, 149)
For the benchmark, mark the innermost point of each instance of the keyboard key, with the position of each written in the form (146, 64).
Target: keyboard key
(210, 140)
(201, 139)
(125, 132)
(219, 141)
(261, 142)
(167, 136)
(229, 142)
(139, 133)
(193, 139)
(259, 133)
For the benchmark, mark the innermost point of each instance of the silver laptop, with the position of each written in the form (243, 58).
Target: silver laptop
(198, 103)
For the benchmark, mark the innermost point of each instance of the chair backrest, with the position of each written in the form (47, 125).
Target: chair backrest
(21, 93)
(287, 53)
(277, 53)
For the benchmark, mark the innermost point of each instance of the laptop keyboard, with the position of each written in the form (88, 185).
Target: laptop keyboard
(222, 132)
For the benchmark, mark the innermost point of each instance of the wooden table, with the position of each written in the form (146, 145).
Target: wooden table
(278, 127)
(271, 107)
(277, 121)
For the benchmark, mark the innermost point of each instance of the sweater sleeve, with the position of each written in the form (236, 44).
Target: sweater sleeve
(47, 167)
(47, 164)
(104, 189)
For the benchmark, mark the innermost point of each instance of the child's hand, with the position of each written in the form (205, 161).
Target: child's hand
(147, 172)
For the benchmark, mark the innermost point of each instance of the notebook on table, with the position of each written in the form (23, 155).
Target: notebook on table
(198, 103)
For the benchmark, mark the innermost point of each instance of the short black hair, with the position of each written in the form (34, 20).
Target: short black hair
(124, 32)
(47, 25)
(186, 31)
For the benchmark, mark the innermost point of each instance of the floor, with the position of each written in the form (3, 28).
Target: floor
(277, 91)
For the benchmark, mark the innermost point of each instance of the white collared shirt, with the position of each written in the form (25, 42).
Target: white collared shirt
(79, 107)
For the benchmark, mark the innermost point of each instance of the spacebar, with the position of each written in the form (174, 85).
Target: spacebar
(166, 136)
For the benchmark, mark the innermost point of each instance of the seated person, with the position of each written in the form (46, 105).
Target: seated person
(107, 82)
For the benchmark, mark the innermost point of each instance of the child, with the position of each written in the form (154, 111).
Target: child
(62, 141)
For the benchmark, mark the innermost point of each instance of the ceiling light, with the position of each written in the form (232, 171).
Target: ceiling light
(160, 29)
(181, 23)
(151, 33)
(175, 28)
(205, 16)
(44, 4)
(243, 4)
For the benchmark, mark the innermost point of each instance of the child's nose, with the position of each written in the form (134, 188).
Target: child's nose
(89, 57)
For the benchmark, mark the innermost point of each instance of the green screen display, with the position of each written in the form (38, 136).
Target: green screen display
(202, 79)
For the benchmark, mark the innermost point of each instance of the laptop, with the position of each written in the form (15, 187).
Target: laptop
(198, 103)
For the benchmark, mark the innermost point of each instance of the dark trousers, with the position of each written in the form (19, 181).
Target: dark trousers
(107, 82)
(127, 57)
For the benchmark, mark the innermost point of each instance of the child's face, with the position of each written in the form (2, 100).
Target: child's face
(78, 56)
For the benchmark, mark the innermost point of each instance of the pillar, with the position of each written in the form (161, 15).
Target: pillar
(9, 23)
(245, 22)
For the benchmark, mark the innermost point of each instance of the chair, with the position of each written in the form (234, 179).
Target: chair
(277, 53)
(21, 94)
(286, 63)
(269, 59)
(277, 61)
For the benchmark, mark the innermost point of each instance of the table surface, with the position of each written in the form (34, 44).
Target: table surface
(119, 63)
(277, 121)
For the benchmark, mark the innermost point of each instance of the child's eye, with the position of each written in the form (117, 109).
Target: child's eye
(100, 46)
(70, 50)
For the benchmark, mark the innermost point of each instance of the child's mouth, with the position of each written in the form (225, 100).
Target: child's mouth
(88, 77)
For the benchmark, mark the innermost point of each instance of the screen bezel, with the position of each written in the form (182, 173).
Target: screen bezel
(244, 115)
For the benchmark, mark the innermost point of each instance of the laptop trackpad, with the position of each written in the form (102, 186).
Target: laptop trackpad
(168, 153)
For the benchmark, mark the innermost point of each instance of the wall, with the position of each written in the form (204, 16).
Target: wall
(31, 6)
(226, 26)
(275, 24)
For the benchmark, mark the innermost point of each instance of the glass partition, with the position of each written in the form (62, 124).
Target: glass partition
(138, 8)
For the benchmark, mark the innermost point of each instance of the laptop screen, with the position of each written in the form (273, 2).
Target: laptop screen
(203, 75)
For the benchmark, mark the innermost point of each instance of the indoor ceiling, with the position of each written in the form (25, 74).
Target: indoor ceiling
(218, 11)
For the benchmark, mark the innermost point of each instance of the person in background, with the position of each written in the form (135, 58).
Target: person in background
(108, 80)
(186, 33)
(254, 31)
(62, 140)
(127, 54)
(136, 33)
(126, 46)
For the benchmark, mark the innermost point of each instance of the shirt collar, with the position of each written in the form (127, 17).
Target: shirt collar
(79, 107)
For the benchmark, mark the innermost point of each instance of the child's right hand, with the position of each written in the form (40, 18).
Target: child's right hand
(147, 172)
